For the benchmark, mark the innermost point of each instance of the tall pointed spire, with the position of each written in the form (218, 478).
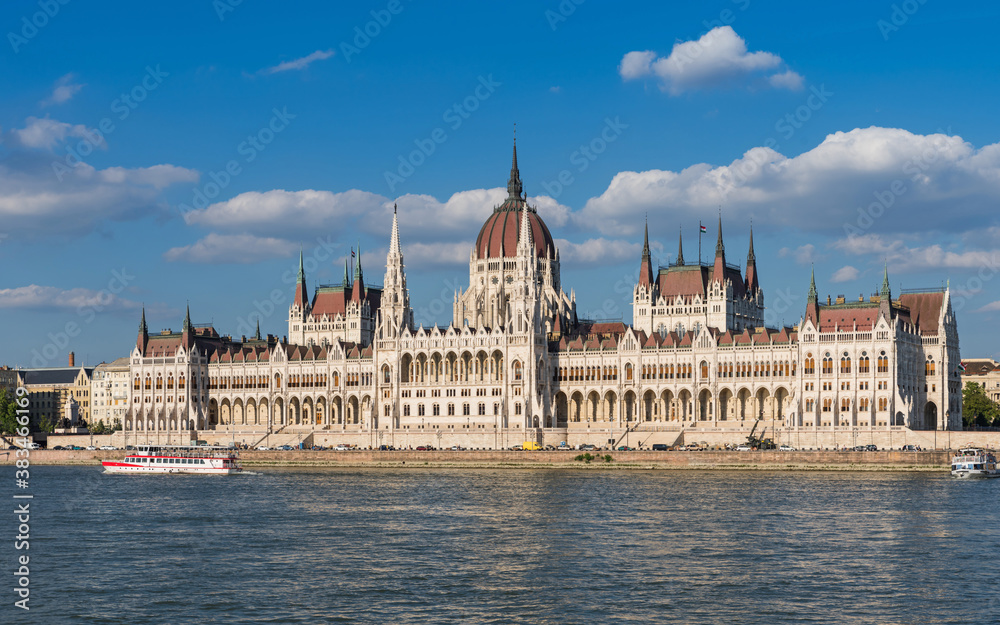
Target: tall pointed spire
(680, 246)
(394, 241)
(885, 293)
(751, 279)
(514, 186)
(812, 304)
(720, 249)
(347, 271)
(357, 265)
(646, 267)
(524, 235)
(143, 338)
(813, 297)
(187, 319)
(256, 335)
(142, 322)
(358, 293)
(301, 295)
(186, 333)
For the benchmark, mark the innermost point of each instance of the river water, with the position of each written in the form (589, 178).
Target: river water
(508, 546)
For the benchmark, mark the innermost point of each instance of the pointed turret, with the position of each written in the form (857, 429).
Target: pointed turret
(525, 238)
(256, 335)
(719, 270)
(514, 186)
(394, 240)
(751, 280)
(646, 266)
(395, 311)
(358, 292)
(812, 302)
(187, 332)
(680, 246)
(886, 294)
(143, 339)
(301, 292)
(347, 271)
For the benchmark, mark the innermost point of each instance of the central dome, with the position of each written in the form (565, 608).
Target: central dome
(499, 235)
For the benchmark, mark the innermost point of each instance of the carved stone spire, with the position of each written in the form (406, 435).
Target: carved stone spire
(680, 247)
(514, 186)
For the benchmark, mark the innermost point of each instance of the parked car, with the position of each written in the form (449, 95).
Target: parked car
(586, 448)
(422, 448)
(386, 448)
(743, 448)
(910, 448)
(871, 448)
(58, 447)
(786, 448)
(263, 448)
(91, 448)
(108, 448)
(286, 448)
(626, 448)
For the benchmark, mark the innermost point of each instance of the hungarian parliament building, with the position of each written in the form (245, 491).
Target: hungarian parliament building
(517, 364)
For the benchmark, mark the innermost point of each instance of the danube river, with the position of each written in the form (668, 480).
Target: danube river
(509, 546)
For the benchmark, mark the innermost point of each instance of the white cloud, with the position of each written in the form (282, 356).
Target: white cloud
(598, 251)
(286, 212)
(636, 64)
(718, 58)
(991, 307)
(217, 249)
(62, 91)
(417, 254)
(45, 133)
(301, 63)
(803, 255)
(786, 80)
(845, 274)
(906, 181)
(905, 259)
(37, 297)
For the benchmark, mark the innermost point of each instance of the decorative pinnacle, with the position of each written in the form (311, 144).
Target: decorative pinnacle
(514, 186)
(680, 246)
(813, 297)
(886, 294)
(645, 242)
(142, 322)
(720, 249)
(187, 319)
(751, 258)
(302, 271)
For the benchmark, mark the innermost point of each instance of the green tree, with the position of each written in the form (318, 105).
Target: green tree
(977, 408)
(100, 428)
(8, 413)
(46, 424)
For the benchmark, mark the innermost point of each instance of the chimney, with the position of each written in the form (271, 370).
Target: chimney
(72, 359)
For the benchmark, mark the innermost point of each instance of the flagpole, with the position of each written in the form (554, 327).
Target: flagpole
(699, 243)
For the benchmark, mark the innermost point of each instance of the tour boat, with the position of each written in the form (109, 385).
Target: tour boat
(177, 459)
(974, 463)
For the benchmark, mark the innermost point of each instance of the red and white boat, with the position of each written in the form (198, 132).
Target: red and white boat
(177, 459)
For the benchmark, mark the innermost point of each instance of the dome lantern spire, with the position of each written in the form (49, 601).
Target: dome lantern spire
(514, 186)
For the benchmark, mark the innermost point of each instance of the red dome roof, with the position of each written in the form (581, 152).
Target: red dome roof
(498, 238)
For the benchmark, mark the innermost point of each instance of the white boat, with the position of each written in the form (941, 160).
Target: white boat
(176, 459)
(973, 462)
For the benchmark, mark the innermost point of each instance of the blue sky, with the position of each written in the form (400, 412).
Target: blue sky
(231, 136)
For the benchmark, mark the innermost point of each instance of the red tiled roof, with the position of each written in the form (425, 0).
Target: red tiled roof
(844, 317)
(498, 236)
(925, 310)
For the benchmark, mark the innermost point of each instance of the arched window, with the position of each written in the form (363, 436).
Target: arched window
(809, 365)
(883, 363)
(135, 384)
(845, 364)
(385, 374)
(827, 365)
(929, 368)
(628, 372)
(863, 364)
(517, 371)
(277, 380)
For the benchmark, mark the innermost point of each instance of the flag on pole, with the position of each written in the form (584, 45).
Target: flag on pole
(961, 366)
(703, 228)
(352, 252)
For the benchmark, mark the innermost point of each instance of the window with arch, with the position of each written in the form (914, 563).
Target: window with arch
(863, 363)
(277, 380)
(386, 375)
(845, 404)
(517, 371)
(845, 364)
(159, 383)
(704, 369)
(809, 365)
(135, 384)
(827, 365)
(883, 404)
(883, 363)
(929, 368)
(827, 404)
(628, 372)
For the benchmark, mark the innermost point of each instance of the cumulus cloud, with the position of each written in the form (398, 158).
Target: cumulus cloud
(719, 58)
(35, 297)
(870, 179)
(286, 212)
(216, 249)
(903, 258)
(845, 274)
(803, 254)
(35, 203)
(301, 63)
(62, 91)
(419, 254)
(598, 251)
(45, 133)
(991, 307)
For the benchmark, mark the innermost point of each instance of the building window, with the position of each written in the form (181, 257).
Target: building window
(436, 410)
(451, 410)
(465, 410)
(406, 410)
(482, 409)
